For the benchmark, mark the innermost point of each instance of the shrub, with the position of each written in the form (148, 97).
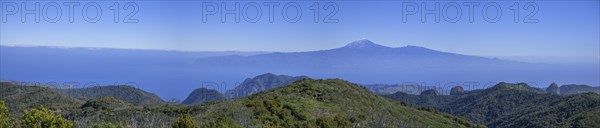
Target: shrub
(221, 122)
(107, 125)
(5, 120)
(44, 118)
(185, 121)
(333, 122)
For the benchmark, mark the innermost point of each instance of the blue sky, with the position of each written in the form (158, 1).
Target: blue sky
(567, 29)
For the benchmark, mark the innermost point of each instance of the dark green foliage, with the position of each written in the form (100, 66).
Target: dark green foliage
(203, 95)
(221, 122)
(106, 103)
(560, 112)
(44, 118)
(20, 98)
(588, 120)
(107, 125)
(335, 103)
(185, 121)
(333, 122)
(513, 105)
(122, 92)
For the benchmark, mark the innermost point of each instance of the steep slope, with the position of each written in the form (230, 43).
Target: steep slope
(322, 103)
(203, 95)
(122, 92)
(260, 83)
(513, 105)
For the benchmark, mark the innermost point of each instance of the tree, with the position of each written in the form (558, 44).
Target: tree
(44, 118)
(221, 122)
(185, 121)
(5, 120)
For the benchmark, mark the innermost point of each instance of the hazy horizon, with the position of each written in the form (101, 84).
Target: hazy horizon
(561, 29)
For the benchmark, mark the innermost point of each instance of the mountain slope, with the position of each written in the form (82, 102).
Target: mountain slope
(19, 98)
(203, 95)
(512, 105)
(122, 92)
(577, 89)
(324, 103)
(261, 83)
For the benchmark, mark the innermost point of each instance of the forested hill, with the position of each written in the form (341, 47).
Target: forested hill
(514, 105)
(304, 103)
(324, 103)
(122, 92)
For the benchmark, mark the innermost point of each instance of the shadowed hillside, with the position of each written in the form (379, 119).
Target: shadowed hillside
(261, 83)
(122, 92)
(203, 95)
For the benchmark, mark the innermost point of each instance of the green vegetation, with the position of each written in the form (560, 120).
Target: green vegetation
(305, 103)
(5, 120)
(310, 103)
(221, 122)
(514, 105)
(313, 103)
(44, 118)
(107, 125)
(20, 98)
(185, 121)
(106, 103)
(122, 92)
